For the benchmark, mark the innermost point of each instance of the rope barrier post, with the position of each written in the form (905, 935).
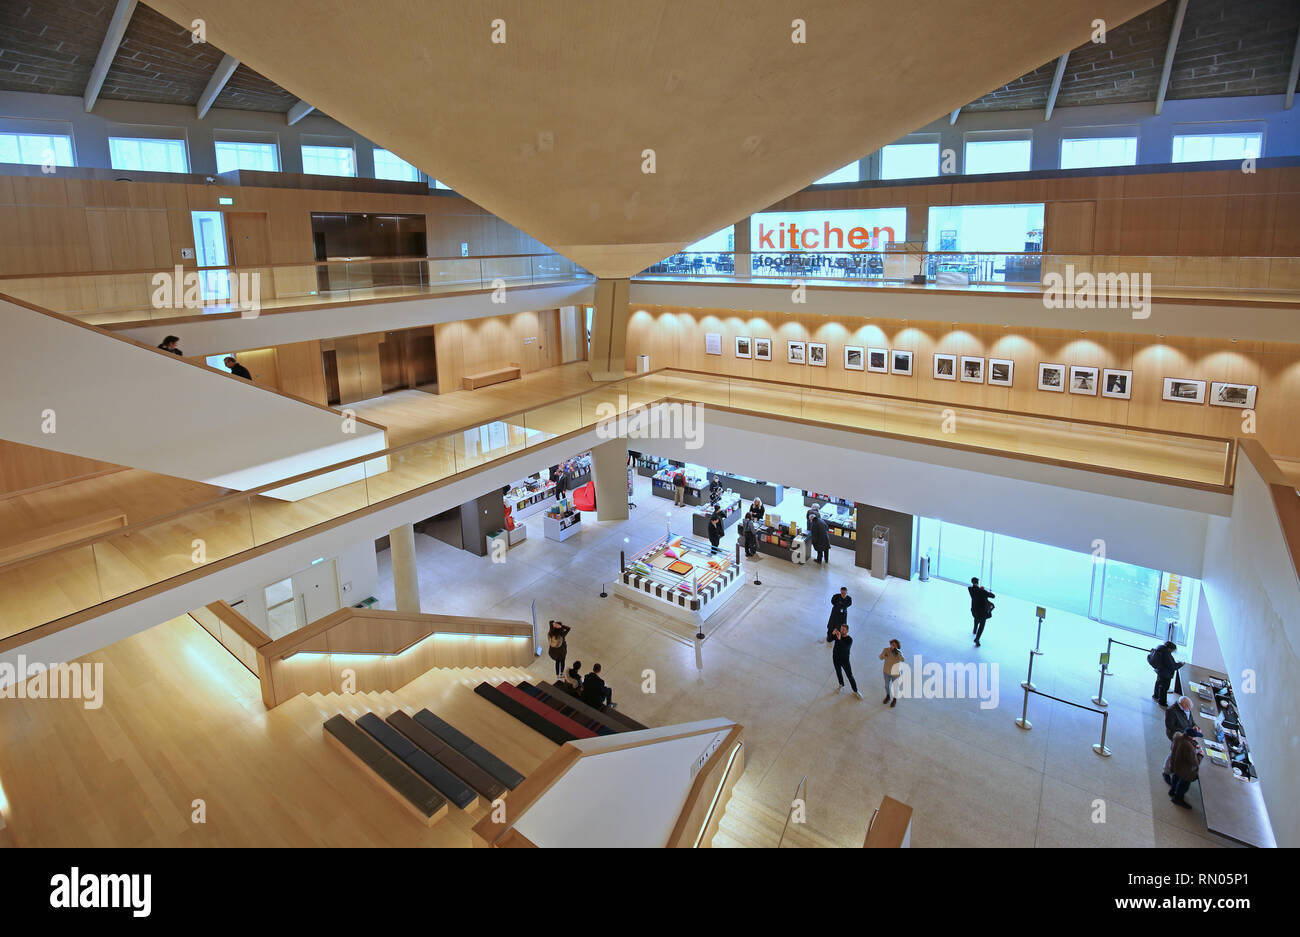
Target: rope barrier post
(1028, 683)
(1099, 699)
(1023, 721)
(1100, 748)
(1038, 641)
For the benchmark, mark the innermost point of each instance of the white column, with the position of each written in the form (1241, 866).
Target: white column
(609, 471)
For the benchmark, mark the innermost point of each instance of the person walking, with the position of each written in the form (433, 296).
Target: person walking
(821, 538)
(1184, 764)
(1162, 662)
(840, 603)
(893, 658)
(679, 488)
(840, 659)
(716, 528)
(170, 344)
(981, 607)
(237, 369)
(558, 645)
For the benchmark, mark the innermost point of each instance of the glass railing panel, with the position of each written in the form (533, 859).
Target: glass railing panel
(552, 420)
(410, 468)
(838, 408)
(488, 442)
(305, 504)
(46, 588)
(150, 553)
(512, 271)
(456, 273)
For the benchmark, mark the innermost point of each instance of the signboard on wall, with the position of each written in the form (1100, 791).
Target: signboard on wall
(712, 343)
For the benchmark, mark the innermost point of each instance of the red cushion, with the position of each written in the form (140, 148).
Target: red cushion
(546, 712)
(584, 498)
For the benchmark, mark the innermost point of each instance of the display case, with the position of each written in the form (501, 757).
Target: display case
(750, 488)
(732, 509)
(561, 522)
(529, 496)
(780, 542)
(697, 487)
(681, 577)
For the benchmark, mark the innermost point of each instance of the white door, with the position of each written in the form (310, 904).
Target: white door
(316, 589)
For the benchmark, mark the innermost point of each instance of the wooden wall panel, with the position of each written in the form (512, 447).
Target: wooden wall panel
(674, 337)
(26, 467)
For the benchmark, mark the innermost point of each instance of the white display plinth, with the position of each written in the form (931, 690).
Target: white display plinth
(879, 558)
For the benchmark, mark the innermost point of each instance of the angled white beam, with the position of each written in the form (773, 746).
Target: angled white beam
(1295, 73)
(300, 110)
(1170, 49)
(952, 119)
(225, 69)
(1056, 85)
(108, 49)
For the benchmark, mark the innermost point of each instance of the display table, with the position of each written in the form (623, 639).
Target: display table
(766, 492)
(563, 527)
(1234, 808)
(776, 541)
(730, 514)
(680, 577)
(663, 487)
(527, 504)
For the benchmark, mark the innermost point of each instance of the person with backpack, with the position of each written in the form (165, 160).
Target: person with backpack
(1162, 662)
(558, 645)
(679, 489)
(981, 608)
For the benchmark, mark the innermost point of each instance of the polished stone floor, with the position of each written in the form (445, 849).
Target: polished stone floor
(972, 775)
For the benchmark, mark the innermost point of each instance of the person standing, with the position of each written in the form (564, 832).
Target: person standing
(1162, 662)
(1184, 764)
(749, 534)
(170, 344)
(981, 607)
(840, 659)
(821, 538)
(757, 511)
(237, 369)
(679, 488)
(716, 528)
(893, 658)
(558, 645)
(561, 481)
(840, 603)
(1177, 719)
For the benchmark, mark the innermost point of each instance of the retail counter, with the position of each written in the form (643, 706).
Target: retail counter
(730, 514)
(776, 541)
(769, 494)
(1233, 808)
(663, 487)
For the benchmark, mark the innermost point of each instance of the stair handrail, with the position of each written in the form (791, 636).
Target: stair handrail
(790, 811)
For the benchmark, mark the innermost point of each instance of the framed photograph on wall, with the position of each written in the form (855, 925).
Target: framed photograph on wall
(713, 343)
(1184, 390)
(901, 362)
(853, 358)
(762, 349)
(945, 367)
(1083, 380)
(972, 369)
(1051, 377)
(1116, 383)
(743, 343)
(1223, 394)
(817, 354)
(878, 360)
(1001, 371)
(794, 352)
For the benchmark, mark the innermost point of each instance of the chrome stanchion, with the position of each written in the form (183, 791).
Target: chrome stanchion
(1100, 748)
(1039, 640)
(1028, 683)
(1099, 699)
(1023, 721)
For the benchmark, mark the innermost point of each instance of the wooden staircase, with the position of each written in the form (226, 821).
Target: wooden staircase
(748, 824)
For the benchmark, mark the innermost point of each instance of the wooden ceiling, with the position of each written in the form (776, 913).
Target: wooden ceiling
(550, 129)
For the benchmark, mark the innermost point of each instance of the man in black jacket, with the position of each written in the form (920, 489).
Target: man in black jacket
(1162, 661)
(840, 658)
(237, 369)
(594, 691)
(716, 526)
(840, 603)
(981, 609)
(1178, 718)
(821, 538)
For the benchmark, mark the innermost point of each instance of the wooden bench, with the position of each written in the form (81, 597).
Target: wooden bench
(487, 378)
(614, 718)
(533, 713)
(55, 535)
(470, 749)
(447, 756)
(420, 761)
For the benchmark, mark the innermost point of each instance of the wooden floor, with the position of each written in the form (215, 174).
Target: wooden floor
(183, 721)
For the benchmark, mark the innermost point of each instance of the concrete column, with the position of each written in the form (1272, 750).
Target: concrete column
(744, 258)
(609, 331)
(609, 471)
(406, 581)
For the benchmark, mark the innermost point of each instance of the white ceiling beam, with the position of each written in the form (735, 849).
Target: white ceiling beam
(300, 110)
(952, 119)
(1295, 73)
(225, 69)
(1056, 85)
(1170, 49)
(107, 50)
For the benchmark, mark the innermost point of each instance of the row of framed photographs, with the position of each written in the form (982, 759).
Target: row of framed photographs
(1000, 372)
